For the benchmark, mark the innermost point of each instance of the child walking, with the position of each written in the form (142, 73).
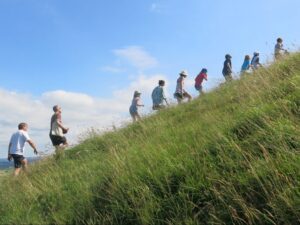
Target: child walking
(134, 106)
(199, 80)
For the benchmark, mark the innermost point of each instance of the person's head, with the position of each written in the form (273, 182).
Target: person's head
(227, 56)
(204, 70)
(256, 53)
(247, 57)
(161, 83)
(183, 74)
(279, 40)
(56, 108)
(23, 126)
(136, 94)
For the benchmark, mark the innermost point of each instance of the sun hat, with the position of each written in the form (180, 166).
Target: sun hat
(183, 73)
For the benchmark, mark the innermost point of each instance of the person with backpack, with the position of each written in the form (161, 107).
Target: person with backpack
(58, 130)
(16, 148)
(133, 109)
(158, 96)
(199, 80)
(279, 50)
(227, 68)
(180, 93)
(246, 65)
(255, 64)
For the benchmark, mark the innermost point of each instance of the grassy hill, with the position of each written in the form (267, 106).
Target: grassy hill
(229, 157)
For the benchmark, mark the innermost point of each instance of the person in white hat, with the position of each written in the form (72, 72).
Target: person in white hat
(180, 93)
(133, 110)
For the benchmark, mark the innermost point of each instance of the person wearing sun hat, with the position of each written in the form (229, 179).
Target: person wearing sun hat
(133, 110)
(180, 93)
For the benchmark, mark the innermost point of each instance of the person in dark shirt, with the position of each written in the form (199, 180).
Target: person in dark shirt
(227, 68)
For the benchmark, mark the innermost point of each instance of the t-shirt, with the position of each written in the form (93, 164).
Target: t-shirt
(158, 95)
(227, 68)
(18, 141)
(180, 86)
(134, 104)
(199, 79)
(278, 48)
(246, 65)
(55, 129)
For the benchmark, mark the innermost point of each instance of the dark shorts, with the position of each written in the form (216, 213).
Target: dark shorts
(58, 140)
(181, 96)
(18, 160)
(198, 88)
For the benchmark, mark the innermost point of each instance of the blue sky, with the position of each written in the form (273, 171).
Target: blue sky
(95, 53)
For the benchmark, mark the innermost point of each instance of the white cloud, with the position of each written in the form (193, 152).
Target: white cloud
(137, 57)
(112, 69)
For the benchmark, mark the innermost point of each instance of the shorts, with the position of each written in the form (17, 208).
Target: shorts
(198, 88)
(181, 96)
(133, 113)
(58, 140)
(18, 159)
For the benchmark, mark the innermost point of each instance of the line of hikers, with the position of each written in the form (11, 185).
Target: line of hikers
(18, 140)
(58, 130)
(158, 94)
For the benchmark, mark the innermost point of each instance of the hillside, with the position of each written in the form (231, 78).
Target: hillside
(229, 157)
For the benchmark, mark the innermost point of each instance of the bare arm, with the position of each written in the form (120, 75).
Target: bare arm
(8, 152)
(61, 125)
(30, 142)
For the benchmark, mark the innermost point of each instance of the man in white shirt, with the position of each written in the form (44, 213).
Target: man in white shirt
(16, 148)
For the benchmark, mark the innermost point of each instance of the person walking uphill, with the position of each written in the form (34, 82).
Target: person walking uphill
(255, 63)
(227, 68)
(134, 106)
(16, 148)
(57, 130)
(246, 65)
(180, 93)
(199, 79)
(158, 96)
(279, 50)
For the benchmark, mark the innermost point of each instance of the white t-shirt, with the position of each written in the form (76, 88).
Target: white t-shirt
(18, 141)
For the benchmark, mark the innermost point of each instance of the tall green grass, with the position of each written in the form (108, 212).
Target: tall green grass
(229, 157)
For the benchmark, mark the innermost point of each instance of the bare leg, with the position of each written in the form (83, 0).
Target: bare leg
(17, 171)
(138, 117)
(179, 100)
(25, 164)
(188, 96)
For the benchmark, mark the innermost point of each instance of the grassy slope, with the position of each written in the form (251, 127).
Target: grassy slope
(230, 157)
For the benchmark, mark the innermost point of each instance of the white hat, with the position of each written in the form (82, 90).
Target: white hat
(183, 73)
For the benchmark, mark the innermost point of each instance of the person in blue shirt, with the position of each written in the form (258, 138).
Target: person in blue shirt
(246, 65)
(158, 96)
